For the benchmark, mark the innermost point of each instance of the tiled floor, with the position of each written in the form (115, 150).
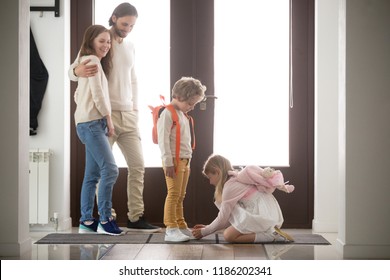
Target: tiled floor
(180, 252)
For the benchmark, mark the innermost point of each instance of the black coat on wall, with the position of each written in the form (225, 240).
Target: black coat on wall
(38, 82)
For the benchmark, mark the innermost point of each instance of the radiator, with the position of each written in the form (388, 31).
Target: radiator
(39, 186)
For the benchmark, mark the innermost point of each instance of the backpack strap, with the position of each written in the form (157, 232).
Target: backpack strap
(175, 119)
(174, 113)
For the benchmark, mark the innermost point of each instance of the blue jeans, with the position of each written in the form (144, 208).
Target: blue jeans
(99, 165)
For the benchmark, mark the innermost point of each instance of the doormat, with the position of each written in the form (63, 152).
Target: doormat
(158, 238)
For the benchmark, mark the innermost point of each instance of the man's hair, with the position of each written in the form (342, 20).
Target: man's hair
(122, 10)
(187, 87)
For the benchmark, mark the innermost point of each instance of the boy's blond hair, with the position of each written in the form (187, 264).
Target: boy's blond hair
(188, 87)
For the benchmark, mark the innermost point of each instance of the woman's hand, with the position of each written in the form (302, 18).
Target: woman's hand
(110, 126)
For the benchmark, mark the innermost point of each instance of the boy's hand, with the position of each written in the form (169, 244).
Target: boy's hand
(170, 171)
(85, 71)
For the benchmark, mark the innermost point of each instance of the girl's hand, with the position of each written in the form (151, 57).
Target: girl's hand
(199, 226)
(196, 232)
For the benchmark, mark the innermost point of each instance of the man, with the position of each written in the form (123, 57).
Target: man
(122, 83)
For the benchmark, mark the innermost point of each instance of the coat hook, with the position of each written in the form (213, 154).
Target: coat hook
(41, 14)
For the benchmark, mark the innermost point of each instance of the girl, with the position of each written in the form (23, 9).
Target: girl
(247, 209)
(94, 126)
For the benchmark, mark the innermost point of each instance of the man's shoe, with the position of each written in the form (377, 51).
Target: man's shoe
(142, 226)
(86, 228)
(109, 228)
(175, 235)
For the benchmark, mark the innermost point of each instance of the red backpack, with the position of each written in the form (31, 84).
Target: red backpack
(156, 112)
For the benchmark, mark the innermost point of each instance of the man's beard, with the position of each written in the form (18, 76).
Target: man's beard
(119, 32)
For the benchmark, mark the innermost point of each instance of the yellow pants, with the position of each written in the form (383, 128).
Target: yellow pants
(176, 191)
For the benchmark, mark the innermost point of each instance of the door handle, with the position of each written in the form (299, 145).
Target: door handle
(211, 96)
(203, 104)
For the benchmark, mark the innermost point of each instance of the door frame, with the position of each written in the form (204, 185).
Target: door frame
(192, 55)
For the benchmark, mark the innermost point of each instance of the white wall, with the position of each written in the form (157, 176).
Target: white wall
(14, 106)
(326, 206)
(364, 108)
(52, 37)
(352, 131)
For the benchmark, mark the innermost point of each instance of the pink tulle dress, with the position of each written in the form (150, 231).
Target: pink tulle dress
(247, 201)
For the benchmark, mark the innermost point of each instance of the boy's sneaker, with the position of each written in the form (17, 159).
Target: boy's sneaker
(142, 226)
(109, 228)
(187, 232)
(85, 228)
(175, 235)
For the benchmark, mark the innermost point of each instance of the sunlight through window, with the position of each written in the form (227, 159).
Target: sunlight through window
(151, 36)
(252, 81)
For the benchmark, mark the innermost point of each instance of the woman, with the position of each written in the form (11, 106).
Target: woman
(94, 126)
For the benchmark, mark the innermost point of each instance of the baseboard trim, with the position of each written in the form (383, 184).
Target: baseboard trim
(363, 252)
(16, 249)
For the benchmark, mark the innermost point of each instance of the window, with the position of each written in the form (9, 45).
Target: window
(252, 81)
(151, 36)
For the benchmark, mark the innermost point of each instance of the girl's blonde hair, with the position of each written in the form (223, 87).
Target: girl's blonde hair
(213, 165)
(188, 87)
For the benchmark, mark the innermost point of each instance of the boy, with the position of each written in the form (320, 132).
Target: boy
(186, 93)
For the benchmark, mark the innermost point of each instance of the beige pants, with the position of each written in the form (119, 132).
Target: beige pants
(176, 191)
(128, 140)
